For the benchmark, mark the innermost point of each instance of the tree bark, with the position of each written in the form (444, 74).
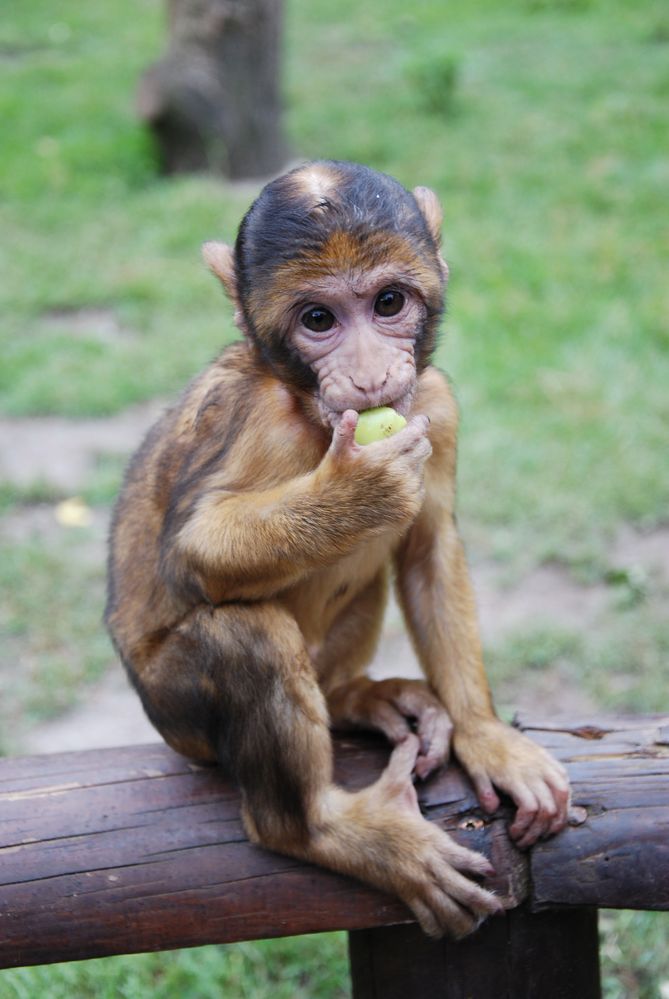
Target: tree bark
(213, 101)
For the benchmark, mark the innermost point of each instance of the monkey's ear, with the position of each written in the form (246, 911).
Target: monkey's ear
(428, 202)
(220, 259)
(432, 212)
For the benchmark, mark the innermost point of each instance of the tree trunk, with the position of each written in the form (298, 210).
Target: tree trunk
(213, 101)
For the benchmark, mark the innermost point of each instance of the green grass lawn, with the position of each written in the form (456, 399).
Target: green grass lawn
(547, 149)
(542, 125)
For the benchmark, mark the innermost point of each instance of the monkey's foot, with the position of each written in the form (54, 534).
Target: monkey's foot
(389, 844)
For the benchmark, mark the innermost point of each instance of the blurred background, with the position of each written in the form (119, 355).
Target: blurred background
(542, 125)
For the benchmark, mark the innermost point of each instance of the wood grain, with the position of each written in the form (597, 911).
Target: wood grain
(137, 849)
(618, 857)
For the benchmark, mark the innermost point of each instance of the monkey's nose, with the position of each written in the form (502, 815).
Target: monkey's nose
(369, 383)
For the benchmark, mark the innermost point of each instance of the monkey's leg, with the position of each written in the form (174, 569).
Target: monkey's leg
(238, 679)
(396, 706)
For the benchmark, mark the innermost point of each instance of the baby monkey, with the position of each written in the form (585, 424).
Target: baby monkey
(253, 543)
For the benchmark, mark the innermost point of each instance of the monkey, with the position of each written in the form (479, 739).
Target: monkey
(254, 542)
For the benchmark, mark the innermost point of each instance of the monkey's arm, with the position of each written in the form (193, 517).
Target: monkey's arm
(437, 598)
(438, 603)
(251, 545)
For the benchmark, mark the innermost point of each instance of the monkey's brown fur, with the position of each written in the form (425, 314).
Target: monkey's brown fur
(251, 551)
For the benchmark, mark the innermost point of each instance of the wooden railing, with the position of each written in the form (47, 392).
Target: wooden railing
(136, 849)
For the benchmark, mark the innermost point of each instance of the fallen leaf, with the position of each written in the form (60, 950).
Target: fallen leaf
(74, 512)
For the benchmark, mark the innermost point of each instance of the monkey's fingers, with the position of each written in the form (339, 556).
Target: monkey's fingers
(541, 791)
(342, 439)
(434, 732)
(388, 719)
(485, 791)
(441, 914)
(562, 793)
(442, 897)
(412, 437)
(542, 810)
(417, 425)
(503, 759)
(465, 859)
(412, 699)
(395, 782)
(537, 810)
(453, 903)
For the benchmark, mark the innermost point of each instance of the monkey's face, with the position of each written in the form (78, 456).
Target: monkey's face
(354, 316)
(357, 331)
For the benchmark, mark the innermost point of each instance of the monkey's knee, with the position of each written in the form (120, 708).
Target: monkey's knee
(177, 692)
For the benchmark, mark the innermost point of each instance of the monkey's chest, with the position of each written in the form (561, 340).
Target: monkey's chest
(319, 600)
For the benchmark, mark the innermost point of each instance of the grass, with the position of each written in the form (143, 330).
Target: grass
(297, 968)
(542, 125)
(620, 665)
(50, 623)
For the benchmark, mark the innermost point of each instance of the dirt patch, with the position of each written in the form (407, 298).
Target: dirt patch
(548, 596)
(62, 454)
(111, 716)
(648, 550)
(91, 323)
(40, 523)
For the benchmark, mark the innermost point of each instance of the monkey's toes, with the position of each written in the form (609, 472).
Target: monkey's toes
(456, 908)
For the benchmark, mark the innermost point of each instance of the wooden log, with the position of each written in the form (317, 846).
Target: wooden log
(618, 856)
(521, 955)
(136, 849)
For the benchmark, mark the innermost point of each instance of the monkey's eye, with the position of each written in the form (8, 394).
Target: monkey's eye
(388, 302)
(318, 320)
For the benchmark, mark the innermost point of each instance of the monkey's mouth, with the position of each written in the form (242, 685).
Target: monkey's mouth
(402, 405)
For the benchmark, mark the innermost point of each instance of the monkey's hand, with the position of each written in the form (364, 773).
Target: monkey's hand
(401, 852)
(396, 707)
(495, 754)
(388, 475)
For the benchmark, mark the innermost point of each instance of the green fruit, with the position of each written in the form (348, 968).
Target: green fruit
(375, 424)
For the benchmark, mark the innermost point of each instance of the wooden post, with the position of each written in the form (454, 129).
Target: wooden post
(520, 955)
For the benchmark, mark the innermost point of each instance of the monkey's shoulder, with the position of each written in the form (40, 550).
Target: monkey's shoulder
(242, 426)
(174, 435)
(234, 413)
